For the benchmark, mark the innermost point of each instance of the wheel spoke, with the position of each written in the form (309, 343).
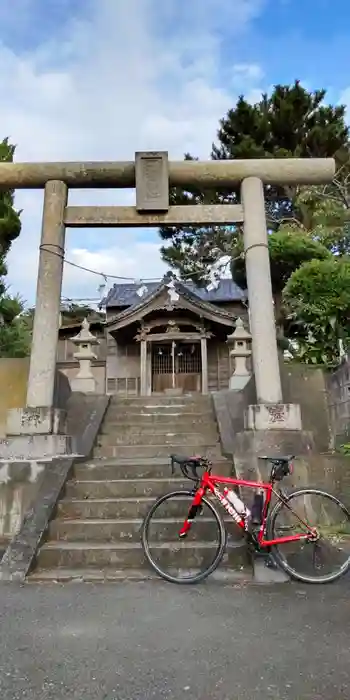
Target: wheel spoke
(320, 560)
(188, 559)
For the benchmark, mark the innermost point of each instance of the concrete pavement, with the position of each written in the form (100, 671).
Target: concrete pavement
(152, 641)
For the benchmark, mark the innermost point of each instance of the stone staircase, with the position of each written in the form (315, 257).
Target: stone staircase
(95, 534)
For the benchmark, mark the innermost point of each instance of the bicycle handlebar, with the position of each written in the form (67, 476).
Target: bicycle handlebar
(190, 464)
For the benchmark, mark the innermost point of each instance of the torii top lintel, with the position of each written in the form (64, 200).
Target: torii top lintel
(206, 174)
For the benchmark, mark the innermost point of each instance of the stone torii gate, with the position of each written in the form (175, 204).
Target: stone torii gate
(152, 174)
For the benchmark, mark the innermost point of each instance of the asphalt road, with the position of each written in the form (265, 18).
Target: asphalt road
(149, 641)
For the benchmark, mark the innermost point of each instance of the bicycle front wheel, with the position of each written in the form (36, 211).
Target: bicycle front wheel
(188, 560)
(323, 559)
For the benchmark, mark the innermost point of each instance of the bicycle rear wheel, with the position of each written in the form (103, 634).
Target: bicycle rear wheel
(312, 561)
(188, 560)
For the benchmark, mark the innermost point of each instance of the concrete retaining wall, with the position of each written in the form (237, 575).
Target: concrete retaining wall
(20, 481)
(19, 484)
(29, 490)
(308, 387)
(301, 384)
(338, 385)
(13, 386)
(85, 415)
(331, 472)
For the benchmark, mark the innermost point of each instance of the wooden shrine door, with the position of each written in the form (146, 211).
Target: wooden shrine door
(176, 366)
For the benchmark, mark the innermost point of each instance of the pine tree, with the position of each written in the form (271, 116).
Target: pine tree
(291, 122)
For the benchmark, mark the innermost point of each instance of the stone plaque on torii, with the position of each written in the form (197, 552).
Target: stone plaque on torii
(152, 174)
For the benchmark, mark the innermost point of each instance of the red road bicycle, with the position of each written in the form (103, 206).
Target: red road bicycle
(300, 534)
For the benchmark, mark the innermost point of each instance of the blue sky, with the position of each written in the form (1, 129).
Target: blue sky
(100, 79)
(305, 39)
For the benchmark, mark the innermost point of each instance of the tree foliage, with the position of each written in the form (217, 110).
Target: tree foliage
(10, 223)
(309, 230)
(72, 313)
(315, 300)
(288, 248)
(317, 296)
(14, 335)
(291, 122)
(75, 313)
(194, 249)
(327, 219)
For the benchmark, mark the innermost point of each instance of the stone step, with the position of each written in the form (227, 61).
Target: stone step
(128, 429)
(105, 470)
(119, 410)
(124, 488)
(151, 451)
(130, 555)
(111, 575)
(161, 400)
(151, 420)
(160, 438)
(128, 530)
(114, 508)
(151, 415)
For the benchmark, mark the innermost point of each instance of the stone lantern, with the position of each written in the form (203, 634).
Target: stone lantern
(84, 381)
(239, 344)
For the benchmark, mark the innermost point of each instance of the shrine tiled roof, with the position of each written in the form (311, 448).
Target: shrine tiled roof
(176, 290)
(125, 295)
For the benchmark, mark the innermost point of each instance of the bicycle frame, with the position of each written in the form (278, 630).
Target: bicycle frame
(209, 482)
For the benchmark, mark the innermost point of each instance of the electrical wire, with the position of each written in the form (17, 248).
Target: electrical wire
(106, 276)
(47, 249)
(92, 299)
(99, 300)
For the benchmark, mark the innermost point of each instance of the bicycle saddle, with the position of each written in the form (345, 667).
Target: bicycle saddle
(278, 460)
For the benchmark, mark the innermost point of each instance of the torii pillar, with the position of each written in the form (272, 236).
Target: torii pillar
(269, 412)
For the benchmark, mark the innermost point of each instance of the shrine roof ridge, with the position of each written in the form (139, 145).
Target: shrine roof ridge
(125, 294)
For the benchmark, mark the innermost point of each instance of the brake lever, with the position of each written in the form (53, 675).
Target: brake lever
(205, 463)
(194, 472)
(172, 466)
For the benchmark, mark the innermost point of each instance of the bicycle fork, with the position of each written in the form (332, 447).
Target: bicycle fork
(195, 509)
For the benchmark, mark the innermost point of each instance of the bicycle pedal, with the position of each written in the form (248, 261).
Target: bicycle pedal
(270, 564)
(266, 558)
(259, 553)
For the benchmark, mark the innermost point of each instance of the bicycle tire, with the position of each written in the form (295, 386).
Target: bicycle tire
(218, 555)
(275, 551)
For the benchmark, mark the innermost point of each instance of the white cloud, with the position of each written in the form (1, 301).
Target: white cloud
(345, 100)
(129, 75)
(247, 71)
(137, 260)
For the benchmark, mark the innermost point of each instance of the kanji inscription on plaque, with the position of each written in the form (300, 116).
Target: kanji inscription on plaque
(152, 181)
